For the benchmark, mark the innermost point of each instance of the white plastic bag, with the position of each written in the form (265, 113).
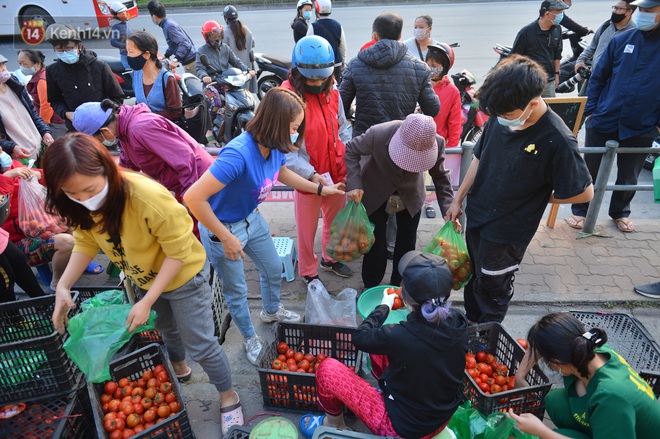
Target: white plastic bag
(323, 308)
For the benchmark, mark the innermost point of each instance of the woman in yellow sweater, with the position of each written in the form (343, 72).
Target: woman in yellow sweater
(148, 234)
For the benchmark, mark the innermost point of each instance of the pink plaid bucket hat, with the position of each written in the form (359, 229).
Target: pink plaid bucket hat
(413, 147)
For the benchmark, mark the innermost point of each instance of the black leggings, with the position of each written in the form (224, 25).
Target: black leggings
(15, 269)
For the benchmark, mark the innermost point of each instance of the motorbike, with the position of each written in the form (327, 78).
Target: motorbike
(124, 77)
(238, 103)
(473, 119)
(271, 72)
(567, 64)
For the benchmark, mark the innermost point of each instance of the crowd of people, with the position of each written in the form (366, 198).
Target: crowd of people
(168, 211)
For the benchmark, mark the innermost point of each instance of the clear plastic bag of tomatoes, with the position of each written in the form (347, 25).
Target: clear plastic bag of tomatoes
(449, 245)
(351, 233)
(32, 217)
(96, 335)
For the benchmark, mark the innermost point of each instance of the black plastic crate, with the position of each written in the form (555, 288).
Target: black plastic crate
(238, 432)
(33, 363)
(132, 366)
(153, 336)
(296, 391)
(493, 338)
(52, 418)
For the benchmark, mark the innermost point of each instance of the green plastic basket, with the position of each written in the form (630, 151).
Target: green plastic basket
(371, 298)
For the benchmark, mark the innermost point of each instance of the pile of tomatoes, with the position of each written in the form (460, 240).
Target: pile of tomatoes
(292, 361)
(131, 407)
(398, 301)
(42, 228)
(490, 376)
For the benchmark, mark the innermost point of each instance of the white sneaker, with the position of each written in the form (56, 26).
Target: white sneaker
(282, 315)
(253, 347)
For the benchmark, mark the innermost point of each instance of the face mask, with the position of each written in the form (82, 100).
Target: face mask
(645, 20)
(307, 15)
(28, 71)
(136, 62)
(154, 21)
(108, 143)
(617, 18)
(4, 76)
(214, 43)
(96, 202)
(515, 122)
(70, 57)
(558, 18)
(436, 73)
(316, 89)
(5, 160)
(419, 34)
(294, 137)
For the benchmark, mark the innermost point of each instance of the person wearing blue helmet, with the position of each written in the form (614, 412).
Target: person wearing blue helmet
(321, 156)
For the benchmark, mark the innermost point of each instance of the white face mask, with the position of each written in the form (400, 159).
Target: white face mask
(107, 143)
(420, 34)
(95, 202)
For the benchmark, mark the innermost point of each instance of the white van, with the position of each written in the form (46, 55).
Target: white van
(82, 14)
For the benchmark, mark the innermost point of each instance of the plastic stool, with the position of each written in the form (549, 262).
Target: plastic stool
(287, 253)
(45, 274)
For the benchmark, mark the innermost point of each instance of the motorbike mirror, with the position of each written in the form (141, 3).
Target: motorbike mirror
(205, 60)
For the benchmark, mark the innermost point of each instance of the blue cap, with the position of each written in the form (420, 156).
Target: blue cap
(90, 117)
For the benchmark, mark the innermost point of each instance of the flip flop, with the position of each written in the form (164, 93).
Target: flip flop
(577, 222)
(94, 268)
(231, 415)
(309, 423)
(185, 377)
(625, 225)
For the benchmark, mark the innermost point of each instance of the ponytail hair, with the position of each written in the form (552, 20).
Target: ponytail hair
(562, 338)
(434, 311)
(238, 30)
(109, 104)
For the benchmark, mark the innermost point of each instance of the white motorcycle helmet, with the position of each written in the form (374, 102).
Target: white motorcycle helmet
(323, 7)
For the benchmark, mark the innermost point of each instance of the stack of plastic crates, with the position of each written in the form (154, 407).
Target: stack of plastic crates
(631, 340)
(35, 370)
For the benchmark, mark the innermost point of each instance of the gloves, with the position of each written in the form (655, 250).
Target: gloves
(388, 299)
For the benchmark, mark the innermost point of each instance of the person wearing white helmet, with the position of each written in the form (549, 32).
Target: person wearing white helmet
(321, 157)
(332, 31)
(304, 14)
(120, 31)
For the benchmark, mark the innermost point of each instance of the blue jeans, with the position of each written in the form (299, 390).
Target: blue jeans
(254, 233)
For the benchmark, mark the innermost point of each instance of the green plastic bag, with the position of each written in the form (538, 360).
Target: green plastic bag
(96, 335)
(104, 298)
(469, 423)
(351, 233)
(449, 245)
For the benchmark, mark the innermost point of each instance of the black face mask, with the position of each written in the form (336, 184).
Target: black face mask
(617, 18)
(316, 89)
(136, 62)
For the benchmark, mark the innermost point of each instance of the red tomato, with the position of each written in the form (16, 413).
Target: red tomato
(114, 405)
(485, 368)
(282, 358)
(127, 408)
(127, 433)
(163, 376)
(495, 388)
(484, 387)
(159, 368)
(175, 407)
(138, 429)
(282, 347)
(110, 387)
(490, 358)
(147, 375)
(512, 382)
(470, 363)
(164, 411)
(153, 382)
(276, 364)
(298, 356)
(474, 373)
(170, 397)
(149, 416)
(483, 377)
(320, 358)
(522, 342)
(109, 417)
(132, 420)
(110, 425)
(106, 398)
(304, 365)
(398, 303)
(289, 353)
(146, 402)
(126, 391)
(290, 362)
(117, 394)
(137, 408)
(150, 392)
(117, 434)
(124, 382)
(138, 391)
(500, 381)
(481, 356)
(310, 358)
(159, 399)
(165, 387)
(142, 383)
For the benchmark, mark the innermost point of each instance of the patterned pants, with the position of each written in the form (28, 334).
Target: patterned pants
(337, 386)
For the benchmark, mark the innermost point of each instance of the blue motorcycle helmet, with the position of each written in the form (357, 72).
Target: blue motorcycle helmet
(313, 57)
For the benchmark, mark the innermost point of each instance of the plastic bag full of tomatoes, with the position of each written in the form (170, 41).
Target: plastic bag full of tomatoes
(351, 233)
(449, 245)
(32, 217)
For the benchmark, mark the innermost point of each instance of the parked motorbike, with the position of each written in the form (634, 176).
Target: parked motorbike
(238, 103)
(567, 64)
(124, 77)
(271, 72)
(473, 119)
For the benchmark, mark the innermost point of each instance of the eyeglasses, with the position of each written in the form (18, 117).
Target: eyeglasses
(618, 9)
(66, 49)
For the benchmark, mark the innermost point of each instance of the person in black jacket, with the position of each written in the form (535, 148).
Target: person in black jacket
(78, 76)
(22, 130)
(385, 81)
(418, 363)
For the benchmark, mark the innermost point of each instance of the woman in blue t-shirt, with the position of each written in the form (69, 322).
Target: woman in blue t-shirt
(225, 201)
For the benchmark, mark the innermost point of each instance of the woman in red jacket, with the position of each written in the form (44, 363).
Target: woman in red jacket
(321, 158)
(440, 58)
